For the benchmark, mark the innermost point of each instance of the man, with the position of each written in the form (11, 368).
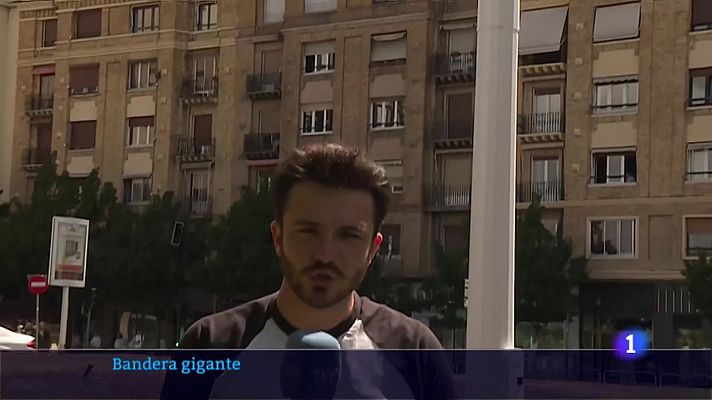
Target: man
(329, 204)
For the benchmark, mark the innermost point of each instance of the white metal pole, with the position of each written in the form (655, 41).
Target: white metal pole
(490, 305)
(63, 319)
(37, 321)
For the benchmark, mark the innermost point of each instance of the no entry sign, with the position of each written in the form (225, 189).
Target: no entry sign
(37, 284)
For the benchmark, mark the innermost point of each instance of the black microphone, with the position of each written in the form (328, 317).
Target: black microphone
(309, 374)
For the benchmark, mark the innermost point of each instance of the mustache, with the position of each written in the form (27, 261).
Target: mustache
(323, 267)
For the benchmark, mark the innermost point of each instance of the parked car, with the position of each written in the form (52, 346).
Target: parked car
(10, 340)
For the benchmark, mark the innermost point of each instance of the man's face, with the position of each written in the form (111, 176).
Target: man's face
(326, 242)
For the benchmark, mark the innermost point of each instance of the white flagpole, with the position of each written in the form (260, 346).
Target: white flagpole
(490, 308)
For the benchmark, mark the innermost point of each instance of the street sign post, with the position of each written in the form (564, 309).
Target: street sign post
(68, 262)
(37, 285)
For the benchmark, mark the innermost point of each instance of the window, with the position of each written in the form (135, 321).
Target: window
(145, 18)
(203, 134)
(621, 21)
(391, 240)
(701, 15)
(207, 16)
(619, 167)
(317, 122)
(545, 179)
(319, 63)
(459, 111)
(314, 6)
(394, 174)
(387, 114)
(88, 24)
(699, 162)
(143, 74)
(274, 11)
(83, 135)
(389, 48)
(49, 32)
(84, 79)
(261, 178)
(46, 89)
(698, 236)
(204, 74)
(615, 96)
(141, 131)
(137, 190)
(613, 237)
(198, 191)
(701, 87)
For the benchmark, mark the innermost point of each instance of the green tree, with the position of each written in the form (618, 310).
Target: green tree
(545, 272)
(699, 282)
(241, 255)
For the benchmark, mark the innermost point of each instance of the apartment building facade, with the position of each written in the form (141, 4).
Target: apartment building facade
(9, 29)
(205, 97)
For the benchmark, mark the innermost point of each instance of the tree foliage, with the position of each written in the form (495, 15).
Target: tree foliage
(699, 282)
(242, 259)
(545, 272)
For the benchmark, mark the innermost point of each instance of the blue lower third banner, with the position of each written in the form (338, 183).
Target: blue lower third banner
(360, 374)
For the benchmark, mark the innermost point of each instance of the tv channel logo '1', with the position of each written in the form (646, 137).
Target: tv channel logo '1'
(631, 344)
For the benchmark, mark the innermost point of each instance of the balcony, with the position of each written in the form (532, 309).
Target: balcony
(198, 206)
(455, 68)
(264, 86)
(200, 90)
(39, 106)
(262, 146)
(544, 63)
(449, 198)
(455, 134)
(34, 158)
(546, 192)
(191, 150)
(541, 128)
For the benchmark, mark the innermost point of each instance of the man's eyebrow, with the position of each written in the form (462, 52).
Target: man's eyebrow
(307, 222)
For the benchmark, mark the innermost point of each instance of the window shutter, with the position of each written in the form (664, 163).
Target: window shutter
(140, 121)
(50, 32)
(701, 12)
(203, 130)
(88, 23)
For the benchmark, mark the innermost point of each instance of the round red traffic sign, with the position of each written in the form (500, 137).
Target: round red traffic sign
(37, 284)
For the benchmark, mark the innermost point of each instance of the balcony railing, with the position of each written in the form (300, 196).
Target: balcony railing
(552, 122)
(206, 87)
(262, 145)
(40, 103)
(190, 149)
(456, 67)
(264, 85)
(449, 197)
(35, 157)
(83, 90)
(546, 192)
(198, 206)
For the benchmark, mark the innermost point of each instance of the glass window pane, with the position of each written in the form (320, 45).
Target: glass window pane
(617, 94)
(597, 237)
(612, 237)
(602, 94)
(632, 93)
(307, 122)
(329, 120)
(539, 169)
(319, 121)
(698, 88)
(627, 236)
(615, 168)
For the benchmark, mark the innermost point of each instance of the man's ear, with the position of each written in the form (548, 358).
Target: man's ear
(276, 237)
(377, 240)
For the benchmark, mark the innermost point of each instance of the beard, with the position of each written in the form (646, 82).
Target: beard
(320, 296)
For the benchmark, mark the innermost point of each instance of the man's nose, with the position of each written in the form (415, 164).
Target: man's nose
(326, 250)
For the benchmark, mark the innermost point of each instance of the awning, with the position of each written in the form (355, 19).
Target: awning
(43, 70)
(388, 37)
(617, 22)
(542, 30)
